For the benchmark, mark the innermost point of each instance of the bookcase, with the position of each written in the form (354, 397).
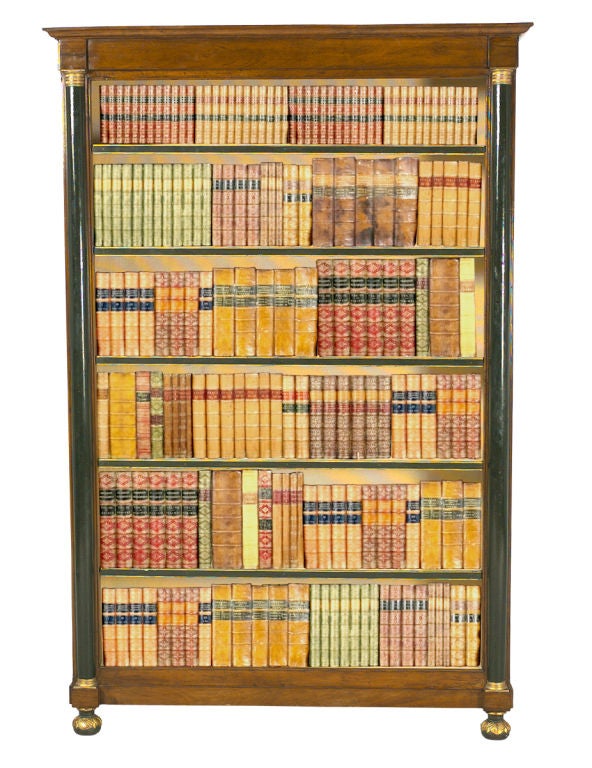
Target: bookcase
(289, 307)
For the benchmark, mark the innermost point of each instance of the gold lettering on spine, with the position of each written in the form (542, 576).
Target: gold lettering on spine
(502, 76)
(73, 77)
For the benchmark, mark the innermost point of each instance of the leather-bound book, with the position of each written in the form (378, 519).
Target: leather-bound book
(452, 524)
(143, 444)
(329, 417)
(298, 624)
(474, 206)
(459, 416)
(276, 406)
(471, 523)
(413, 414)
(250, 524)
(140, 520)
(462, 203)
(316, 416)
(264, 312)
(116, 313)
(473, 625)
(164, 626)
(444, 308)
(278, 212)
(227, 416)
(149, 628)
(224, 298)
(395, 626)
(252, 445)
(213, 415)
(353, 526)
(424, 203)
(260, 625)
(240, 449)
(369, 526)
(296, 525)
(290, 205)
(371, 427)
(169, 423)
(136, 204)
(198, 415)
(107, 520)
(264, 415)
(391, 310)
(323, 630)
(467, 307)
(420, 120)
(146, 316)
(189, 495)
(364, 230)
(103, 310)
(344, 655)
(304, 204)
(173, 520)
(178, 627)
(324, 526)
(242, 625)
(354, 629)
(253, 204)
(122, 415)
(302, 417)
(431, 525)
(338, 527)
(387, 607)
(103, 205)
(358, 417)
(345, 201)
(373, 624)
(398, 524)
(240, 213)
(326, 308)
(343, 420)
(404, 114)
(407, 625)
(384, 417)
(264, 518)
(446, 624)
(458, 610)
(444, 416)
(116, 204)
(473, 416)
(123, 519)
(226, 519)
(406, 190)
(122, 626)
(286, 520)
(315, 626)
(197, 212)
(383, 526)
(156, 499)
(436, 603)
(283, 309)
(407, 298)
(323, 202)
(387, 118)
(413, 527)
(277, 520)
(437, 201)
(449, 203)
(341, 307)
(191, 626)
(186, 234)
(206, 313)
(310, 526)
(422, 330)
(245, 311)
(384, 201)
(222, 625)
(335, 606)
(420, 651)
(205, 626)
(358, 307)
(288, 417)
(206, 204)
(429, 425)
(278, 625)
(399, 416)
(305, 311)
(375, 307)
(204, 519)
(185, 429)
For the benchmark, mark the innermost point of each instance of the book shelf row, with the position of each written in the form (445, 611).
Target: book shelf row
(150, 415)
(358, 307)
(293, 625)
(181, 113)
(330, 202)
(249, 519)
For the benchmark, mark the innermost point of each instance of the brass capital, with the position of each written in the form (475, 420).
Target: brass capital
(502, 76)
(73, 77)
(496, 686)
(85, 682)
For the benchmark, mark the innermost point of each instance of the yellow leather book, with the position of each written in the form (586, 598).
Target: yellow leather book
(245, 288)
(462, 204)
(413, 527)
(149, 628)
(239, 416)
(109, 627)
(250, 519)
(413, 416)
(404, 112)
(177, 308)
(452, 524)
(205, 627)
(290, 204)
(283, 308)
(227, 519)
(286, 520)
(298, 624)
(146, 322)
(324, 526)
(221, 625)
(411, 113)
(431, 525)
(437, 201)
(278, 625)
(277, 520)
(288, 417)
(224, 312)
(353, 526)
(449, 203)
(206, 314)
(213, 415)
(473, 625)
(116, 314)
(399, 417)
(458, 609)
(198, 415)
(474, 206)
(428, 416)
(471, 526)
(295, 516)
(122, 415)
(264, 415)
(310, 526)
(242, 625)
(136, 644)
(419, 115)
(103, 312)
(338, 527)
(305, 311)
(305, 204)
(226, 415)
(122, 627)
(276, 404)
(264, 313)
(260, 625)
(302, 416)
(468, 343)
(424, 203)
(252, 415)
(103, 445)
(384, 526)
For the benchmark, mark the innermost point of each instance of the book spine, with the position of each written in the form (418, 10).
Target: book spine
(245, 311)
(371, 426)
(369, 526)
(116, 313)
(384, 417)
(143, 431)
(315, 626)
(198, 415)
(288, 417)
(264, 519)
(444, 416)
(102, 309)
(290, 204)
(252, 443)
(250, 525)
(204, 520)
(173, 520)
(353, 523)
(398, 523)
(449, 203)
(189, 496)
(323, 201)
(343, 418)
(224, 299)
(364, 206)
(149, 627)
(260, 625)
(178, 627)
(277, 520)
(310, 526)
(391, 310)
(383, 191)
(326, 309)
(420, 640)
(264, 415)
(226, 415)
(459, 416)
(276, 414)
(413, 527)
(462, 203)
(407, 307)
(358, 307)
(304, 205)
(298, 624)
(384, 624)
(383, 527)
(278, 625)
(324, 527)
(164, 626)
(302, 417)
(305, 311)
(338, 527)
(191, 627)
(375, 307)
(473, 416)
(283, 310)
(473, 625)
(471, 516)
(177, 319)
(358, 417)
(429, 417)
(329, 417)
(107, 520)
(422, 328)
(122, 416)
(341, 308)
(205, 627)
(242, 621)
(221, 625)
(157, 521)
(226, 519)
(431, 525)
(474, 206)
(316, 416)
(406, 192)
(467, 307)
(345, 200)
(399, 416)
(458, 608)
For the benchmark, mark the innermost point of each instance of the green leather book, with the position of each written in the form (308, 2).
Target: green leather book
(422, 335)
(126, 205)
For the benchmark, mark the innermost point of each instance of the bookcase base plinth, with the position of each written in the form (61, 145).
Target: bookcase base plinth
(495, 727)
(86, 723)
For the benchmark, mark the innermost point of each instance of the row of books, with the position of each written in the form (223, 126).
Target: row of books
(394, 307)
(151, 414)
(384, 202)
(251, 519)
(292, 625)
(280, 114)
(342, 202)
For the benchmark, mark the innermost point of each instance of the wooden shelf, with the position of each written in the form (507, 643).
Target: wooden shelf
(440, 362)
(190, 463)
(370, 251)
(296, 573)
(297, 149)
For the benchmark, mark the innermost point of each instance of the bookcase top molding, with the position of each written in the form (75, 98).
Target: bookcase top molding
(420, 50)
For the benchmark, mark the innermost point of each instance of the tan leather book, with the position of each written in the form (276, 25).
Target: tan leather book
(424, 203)
(471, 523)
(411, 114)
(109, 608)
(449, 203)
(171, 442)
(310, 526)
(286, 520)
(277, 520)
(302, 417)
(304, 205)
(419, 115)
(264, 415)
(459, 416)
(345, 201)
(364, 229)
(353, 526)
(406, 191)
(264, 313)
(250, 521)
(276, 404)
(205, 627)
(227, 416)
(260, 625)
(444, 308)
(369, 525)
(399, 417)
(458, 609)
(413, 416)
(474, 112)
(468, 340)
(473, 624)
(149, 628)
(103, 444)
(252, 415)
(240, 450)
(338, 527)
(428, 416)
(473, 416)
(224, 312)
(245, 289)
(404, 114)
(283, 310)
(116, 314)
(452, 524)
(295, 547)
(103, 312)
(305, 311)
(122, 415)
(474, 206)
(122, 627)
(242, 621)
(227, 519)
(444, 416)
(176, 321)
(221, 625)
(437, 201)
(278, 625)
(191, 626)
(413, 527)
(384, 201)
(290, 204)
(289, 417)
(206, 314)
(213, 446)
(462, 203)
(178, 627)
(324, 526)
(298, 624)
(398, 521)
(254, 210)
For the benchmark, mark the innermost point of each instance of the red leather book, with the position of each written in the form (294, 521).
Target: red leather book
(189, 493)
(107, 519)
(156, 501)
(173, 520)
(123, 519)
(326, 309)
(391, 310)
(358, 307)
(264, 516)
(341, 307)
(374, 305)
(407, 307)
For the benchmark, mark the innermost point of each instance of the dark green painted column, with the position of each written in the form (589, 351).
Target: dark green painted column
(499, 370)
(80, 375)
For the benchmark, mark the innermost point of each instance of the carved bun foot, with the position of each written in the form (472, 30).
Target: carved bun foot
(495, 727)
(86, 723)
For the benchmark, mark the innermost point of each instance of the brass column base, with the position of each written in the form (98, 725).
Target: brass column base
(86, 723)
(495, 727)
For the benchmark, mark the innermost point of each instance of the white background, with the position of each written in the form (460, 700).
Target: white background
(550, 642)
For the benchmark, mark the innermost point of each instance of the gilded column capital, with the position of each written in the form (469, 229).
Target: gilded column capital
(502, 76)
(73, 77)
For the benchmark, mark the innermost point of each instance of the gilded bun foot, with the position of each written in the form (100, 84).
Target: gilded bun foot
(86, 723)
(495, 727)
